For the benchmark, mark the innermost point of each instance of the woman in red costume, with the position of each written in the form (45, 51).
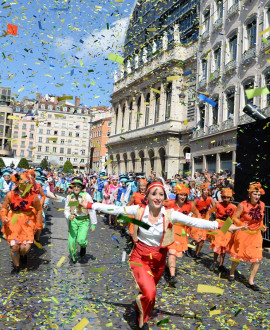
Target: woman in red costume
(21, 214)
(203, 205)
(180, 244)
(247, 242)
(219, 242)
(148, 258)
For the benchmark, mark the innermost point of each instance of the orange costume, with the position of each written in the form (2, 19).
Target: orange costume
(203, 207)
(247, 243)
(219, 242)
(180, 236)
(25, 215)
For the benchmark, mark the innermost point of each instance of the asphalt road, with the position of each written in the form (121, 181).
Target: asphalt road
(101, 289)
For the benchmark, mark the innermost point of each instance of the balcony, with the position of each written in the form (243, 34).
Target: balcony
(265, 46)
(227, 124)
(230, 66)
(217, 24)
(232, 10)
(202, 83)
(213, 129)
(198, 133)
(245, 119)
(266, 111)
(248, 55)
(215, 75)
(205, 35)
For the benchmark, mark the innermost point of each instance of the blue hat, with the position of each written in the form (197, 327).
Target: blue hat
(6, 171)
(124, 180)
(40, 179)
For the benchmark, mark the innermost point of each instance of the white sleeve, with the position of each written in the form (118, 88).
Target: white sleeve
(193, 222)
(67, 208)
(92, 212)
(113, 209)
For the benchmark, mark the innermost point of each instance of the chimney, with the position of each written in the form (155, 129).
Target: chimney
(77, 101)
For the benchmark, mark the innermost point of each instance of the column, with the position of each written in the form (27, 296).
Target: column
(165, 41)
(144, 58)
(162, 107)
(171, 166)
(119, 120)
(147, 165)
(126, 116)
(152, 107)
(142, 111)
(177, 109)
(233, 162)
(218, 162)
(204, 163)
(113, 121)
(192, 166)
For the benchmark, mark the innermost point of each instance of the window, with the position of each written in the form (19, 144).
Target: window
(84, 135)
(70, 126)
(116, 120)
(46, 157)
(204, 69)
(147, 109)
(31, 136)
(249, 84)
(55, 132)
(251, 33)
(48, 131)
(56, 124)
(22, 153)
(39, 148)
(40, 139)
(47, 149)
(22, 144)
(69, 142)
(68, 158)
(50, 116)
(77, 126)
(32, 127)
(24, 126)
(215, 111)
(123, 117)
(202, 115)
(82, 160)
(69, 151)
(108, 133)
(130, 116)
(30, 154)
(63, 133)
(77, 134)
(64, 125)
(168, 101)
(219, 9)
(49, 124)
(157, 106)
(15, 134)
(38, 156)
(138, 112)
(83, 151)
(61, 159)
(54, 149)
(217, 57)
(207, 19)
(69, 133)
(233, 47)
(75, 160)
(61, 150)
(30, 144)
(109, 124)
(47, 140)
(62, 141)
(230, 98)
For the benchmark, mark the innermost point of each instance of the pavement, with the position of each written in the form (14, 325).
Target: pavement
(100, 289)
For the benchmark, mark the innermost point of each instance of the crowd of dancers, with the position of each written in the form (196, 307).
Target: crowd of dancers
(165, 219)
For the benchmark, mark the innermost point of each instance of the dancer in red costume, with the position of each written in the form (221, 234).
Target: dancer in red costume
(148, 258)
(220, 241)
(180, 244)
(247, 242)
(203, 205)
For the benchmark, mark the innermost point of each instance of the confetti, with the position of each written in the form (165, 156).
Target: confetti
(61, 261)
(209, 289)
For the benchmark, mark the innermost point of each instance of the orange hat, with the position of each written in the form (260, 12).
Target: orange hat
(256, 187)
(19, 178)
(205, 186)
(227, 192)
(181, 188)
(143, 181)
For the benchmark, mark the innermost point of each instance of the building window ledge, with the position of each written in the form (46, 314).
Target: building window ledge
(202, 83)
(215, 75)
(227, 124)
(213, 129)
(233, 10)
(205, 36)
(218, 24)
(230, 66)
(265, 46)
(248, 55)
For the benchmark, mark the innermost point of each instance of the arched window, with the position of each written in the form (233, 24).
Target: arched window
(248, 84)
(215, 110)
(138, 112)
(230, 99)
(168, 101)
(147, 109)
(130, 115)
(157, 107)
(123, 117)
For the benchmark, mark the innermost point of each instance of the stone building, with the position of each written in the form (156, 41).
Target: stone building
(5, 123)
(154, 91)
(232, 57)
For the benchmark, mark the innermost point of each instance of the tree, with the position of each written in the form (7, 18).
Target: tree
(2, 164)
(44, 163)
(68, 167)
(23, 163)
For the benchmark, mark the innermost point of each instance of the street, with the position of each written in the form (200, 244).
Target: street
(102, 290)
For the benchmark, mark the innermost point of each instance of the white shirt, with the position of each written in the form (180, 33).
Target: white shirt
(153, 235)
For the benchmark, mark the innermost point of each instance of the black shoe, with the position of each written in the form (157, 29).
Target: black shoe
(137, 317)
(222, 269)
(145, 327)
(82, 252)
(172, 281)
(231, 278)
(197, 256)
(253, 287)
(213, 266)
(15, 270)
(189, 253)
(24, 260)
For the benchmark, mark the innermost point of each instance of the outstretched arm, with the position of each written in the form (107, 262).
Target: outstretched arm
(111, 209)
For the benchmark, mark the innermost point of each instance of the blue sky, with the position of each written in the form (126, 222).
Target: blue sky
(62, 47)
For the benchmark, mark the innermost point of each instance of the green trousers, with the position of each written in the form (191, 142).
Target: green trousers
(78, 230)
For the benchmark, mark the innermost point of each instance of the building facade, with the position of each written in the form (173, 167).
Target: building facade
(63, 132)
(5, 123)
(154, 91)
(100, 132)
(231, 58)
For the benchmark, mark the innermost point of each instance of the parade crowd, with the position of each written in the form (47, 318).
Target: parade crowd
(165, 219)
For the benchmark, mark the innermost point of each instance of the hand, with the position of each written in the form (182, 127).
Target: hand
(6, 220)
(83, 204)
(93, 229)
(72, 217)
(233, 228)
(264, 229)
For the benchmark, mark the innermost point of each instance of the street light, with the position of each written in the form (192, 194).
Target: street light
(254, 112)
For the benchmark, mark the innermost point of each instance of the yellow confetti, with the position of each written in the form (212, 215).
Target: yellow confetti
(192, 246)
(185, 122)
(61, 261)
(214, 312)
(82, 324)
(150, 273)
(37, 244)
(56, 272)
(96, 144)
(170, 78)
(135, 263)
(209, 289)
(116, 58)
(264, 31)
(14, 117)
(156, 90)
(151, 257)
(21, 89)
(213, 141)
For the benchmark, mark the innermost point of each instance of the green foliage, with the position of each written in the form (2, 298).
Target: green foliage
(68, 167)
(2, 164)
(23, 163)
(44, 164)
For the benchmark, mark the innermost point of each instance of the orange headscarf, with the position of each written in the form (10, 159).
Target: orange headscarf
(227, 192)
(181, 188)
(143, 181)
(256, 187)
(20, 178)
(204, 186)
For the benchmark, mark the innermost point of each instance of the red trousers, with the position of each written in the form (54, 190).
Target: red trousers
(151, 262)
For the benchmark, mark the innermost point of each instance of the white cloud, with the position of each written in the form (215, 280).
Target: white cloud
(64, 44)
(105, 41)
